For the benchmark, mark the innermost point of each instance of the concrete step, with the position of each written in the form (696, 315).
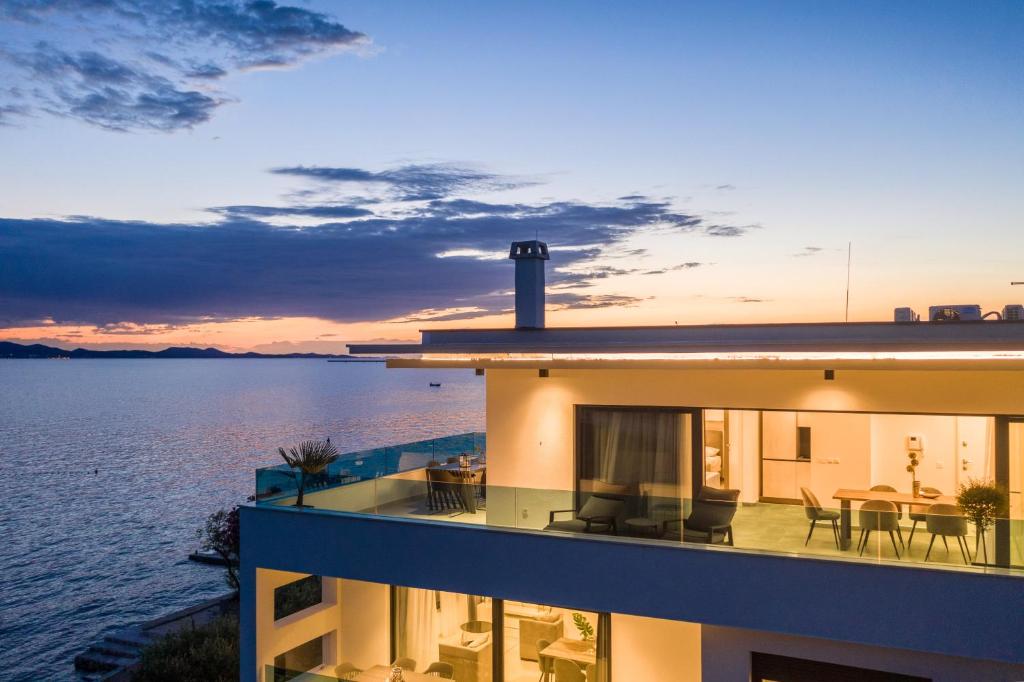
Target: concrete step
(117, 649)
(94, 661)
(130, 637)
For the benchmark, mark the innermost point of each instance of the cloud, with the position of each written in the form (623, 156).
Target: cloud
(719, 230)
(358, 263)
(9, 111)
(314, 211)
(682, 266)
(131, 87)
(808, 251)
(416, 182)
(725, 188)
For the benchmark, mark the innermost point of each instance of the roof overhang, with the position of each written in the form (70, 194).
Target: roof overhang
(867, 345)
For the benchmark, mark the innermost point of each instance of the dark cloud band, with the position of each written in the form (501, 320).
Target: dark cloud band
(434, 256)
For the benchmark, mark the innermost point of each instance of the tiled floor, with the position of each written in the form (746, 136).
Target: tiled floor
(767, 527)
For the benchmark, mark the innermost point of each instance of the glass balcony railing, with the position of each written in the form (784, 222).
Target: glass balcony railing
(281, 482)
(395, 482)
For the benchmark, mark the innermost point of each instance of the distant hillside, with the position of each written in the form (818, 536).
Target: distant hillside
(36, 350)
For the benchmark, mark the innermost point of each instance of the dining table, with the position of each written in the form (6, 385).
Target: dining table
(575, 650)
(381, 673)
(847, 496)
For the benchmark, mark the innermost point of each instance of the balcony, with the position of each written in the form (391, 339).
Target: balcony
(394, 482)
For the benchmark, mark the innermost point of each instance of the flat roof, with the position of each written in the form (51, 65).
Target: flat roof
(813, 337)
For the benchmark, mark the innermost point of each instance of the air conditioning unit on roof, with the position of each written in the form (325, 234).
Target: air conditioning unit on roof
(1013, 312)
(954, 313)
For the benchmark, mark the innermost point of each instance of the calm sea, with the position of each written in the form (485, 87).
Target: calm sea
(108, 467)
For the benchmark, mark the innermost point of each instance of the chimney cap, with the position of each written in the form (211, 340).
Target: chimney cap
(529, 249)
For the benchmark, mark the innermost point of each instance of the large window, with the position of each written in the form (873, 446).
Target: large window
(297, 596)
(638, 455)
(552, 643)
(302, 658)
(444, 630)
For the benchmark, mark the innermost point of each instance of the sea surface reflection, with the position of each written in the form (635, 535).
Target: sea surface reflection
(108, 467)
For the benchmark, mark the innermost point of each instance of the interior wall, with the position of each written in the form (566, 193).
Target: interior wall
(364, 623)
(889, 450)
(655, 649)
(725, 654)
(273, 638)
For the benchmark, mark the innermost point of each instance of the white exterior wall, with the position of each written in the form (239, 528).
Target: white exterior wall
(654, 649)
(353, 615)
(530, 420)
(273, 638)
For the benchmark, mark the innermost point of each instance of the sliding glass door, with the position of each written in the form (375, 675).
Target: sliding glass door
(639, 455)
(1015, 447)
(551, 643)
(442, 631)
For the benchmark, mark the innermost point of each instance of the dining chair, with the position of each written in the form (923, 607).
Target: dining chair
(815, 512)
(945, 520)
(877, 515)
(405, 663)
(567, 671)
(545, 663)
(441, 669)
(882, 488)
(918, 513)
(435, 490)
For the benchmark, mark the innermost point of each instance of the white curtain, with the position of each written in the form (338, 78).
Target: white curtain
(418, 624)
(635, 446)
(425, 617)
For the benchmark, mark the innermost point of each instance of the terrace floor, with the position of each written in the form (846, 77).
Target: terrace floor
(779, 528)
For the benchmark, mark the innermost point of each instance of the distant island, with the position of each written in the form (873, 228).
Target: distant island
(9, 349)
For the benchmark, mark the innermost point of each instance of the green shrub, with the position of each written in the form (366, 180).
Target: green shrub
(206, 654)
(982, 503)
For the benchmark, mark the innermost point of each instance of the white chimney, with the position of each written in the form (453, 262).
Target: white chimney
(529, 257)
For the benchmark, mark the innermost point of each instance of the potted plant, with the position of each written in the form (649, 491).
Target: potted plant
(310, 457)
(586, 630)
(912, 470)
(982, 503)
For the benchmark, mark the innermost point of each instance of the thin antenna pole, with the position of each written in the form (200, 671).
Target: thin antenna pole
(849, 259)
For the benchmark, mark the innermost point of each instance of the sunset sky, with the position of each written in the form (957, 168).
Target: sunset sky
(295, 177)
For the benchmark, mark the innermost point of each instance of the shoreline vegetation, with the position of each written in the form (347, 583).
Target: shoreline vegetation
(11, 350)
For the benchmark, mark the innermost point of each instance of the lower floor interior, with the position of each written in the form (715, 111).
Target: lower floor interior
(322, 629)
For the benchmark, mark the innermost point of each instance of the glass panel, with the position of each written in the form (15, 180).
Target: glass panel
(298, 595)
(564, 644)
(1016, 447)
(716, 455)
(855, 458)
(279, 484)
(637, 456)
(443, 632)
(302, 658)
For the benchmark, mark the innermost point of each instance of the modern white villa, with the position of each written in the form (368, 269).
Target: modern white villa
(721, 503)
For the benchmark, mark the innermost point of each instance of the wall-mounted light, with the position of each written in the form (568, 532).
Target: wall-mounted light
(479, 371)
(543, 373)
(830, 375)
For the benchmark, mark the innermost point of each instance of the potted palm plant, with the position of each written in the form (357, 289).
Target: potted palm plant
(310, 457)
(982, 503)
